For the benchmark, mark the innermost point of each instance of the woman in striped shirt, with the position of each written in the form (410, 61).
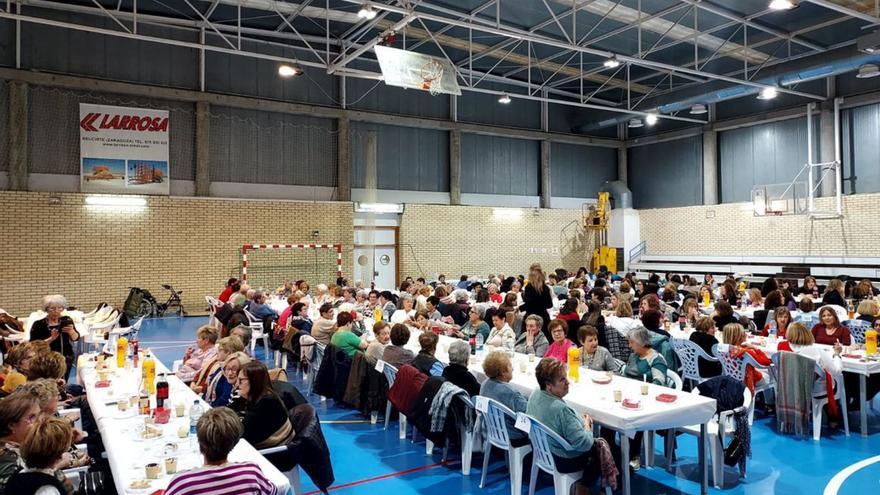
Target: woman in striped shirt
(218, 431)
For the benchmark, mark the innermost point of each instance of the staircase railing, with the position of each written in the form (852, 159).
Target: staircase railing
(636, 253)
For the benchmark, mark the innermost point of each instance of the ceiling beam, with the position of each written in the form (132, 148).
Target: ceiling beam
(847, 11)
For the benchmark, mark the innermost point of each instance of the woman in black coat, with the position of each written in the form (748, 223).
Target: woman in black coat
(57, 330)
(537, 299)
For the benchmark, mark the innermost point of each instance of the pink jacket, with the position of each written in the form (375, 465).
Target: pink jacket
(559, 351)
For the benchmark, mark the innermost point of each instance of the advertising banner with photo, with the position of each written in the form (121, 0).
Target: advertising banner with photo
(123, 150)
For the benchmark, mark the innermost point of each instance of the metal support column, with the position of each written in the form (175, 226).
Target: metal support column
(203, 141)
(343, 181)
(18, 136)
(545, 174)
(710, 167)
(455, 167)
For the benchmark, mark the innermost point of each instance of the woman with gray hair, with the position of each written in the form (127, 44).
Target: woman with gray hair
(457, 371)
(56, 329)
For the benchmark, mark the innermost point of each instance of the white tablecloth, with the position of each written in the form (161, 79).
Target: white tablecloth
(127, 454)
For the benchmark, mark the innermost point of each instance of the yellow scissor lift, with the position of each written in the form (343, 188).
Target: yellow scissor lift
(596, 218)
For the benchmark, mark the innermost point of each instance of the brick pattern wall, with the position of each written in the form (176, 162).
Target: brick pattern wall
(471, 240)
(93, 254)
(735, 231)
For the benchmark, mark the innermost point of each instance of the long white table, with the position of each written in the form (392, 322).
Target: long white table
(128, 454)
(587, 397)
(853, 361)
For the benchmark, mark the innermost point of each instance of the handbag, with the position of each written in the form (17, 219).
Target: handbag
(733, 452)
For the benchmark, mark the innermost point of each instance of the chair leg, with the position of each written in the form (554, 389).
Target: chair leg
(387, 413)
(402, 427)
(467, 452)
(533, 477)
(649, 448)
(817, 419)
(717, 461)
(487, 449)
(374, 417)
(429, 447)
(294, 483)
(516, 472)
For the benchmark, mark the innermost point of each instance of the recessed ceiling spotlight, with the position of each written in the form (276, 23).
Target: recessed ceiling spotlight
(782, 4)
(651, 118)
(505, 99)
(698, 109)
(285, 70)
(768, 94)
(612, 63)
(366, 12)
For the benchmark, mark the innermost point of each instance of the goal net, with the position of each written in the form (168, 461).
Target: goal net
(269, 265)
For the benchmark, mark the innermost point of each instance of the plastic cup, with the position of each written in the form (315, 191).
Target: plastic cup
(152, 470)
(171, 465)
(644, 389)
(618, 395)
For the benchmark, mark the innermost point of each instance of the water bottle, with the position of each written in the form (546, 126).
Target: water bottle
(480, 340)
(772, 330)
(195, 412)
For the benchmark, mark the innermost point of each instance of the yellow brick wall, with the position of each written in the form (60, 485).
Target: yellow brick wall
(456, 240)
(92, 255)
(735, 231)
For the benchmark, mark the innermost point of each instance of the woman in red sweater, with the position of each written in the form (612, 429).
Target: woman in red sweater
(782, 318)
(227, 292)
(735, 336)
(829, 331)
(568, 312)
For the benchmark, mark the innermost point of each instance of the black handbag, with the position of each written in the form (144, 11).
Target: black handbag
(733, 452)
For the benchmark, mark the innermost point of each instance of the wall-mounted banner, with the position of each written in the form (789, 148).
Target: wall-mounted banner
(123, 150)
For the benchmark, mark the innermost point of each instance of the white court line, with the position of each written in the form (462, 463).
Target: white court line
(834, 485)
(166, 342)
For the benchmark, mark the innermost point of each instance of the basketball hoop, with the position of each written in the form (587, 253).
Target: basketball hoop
(431, 73)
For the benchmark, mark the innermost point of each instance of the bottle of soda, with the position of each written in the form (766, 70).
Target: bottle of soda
(161, 392)
(473, 343)
(134, 351)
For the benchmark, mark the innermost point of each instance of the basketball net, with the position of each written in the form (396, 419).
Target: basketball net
(431, 73)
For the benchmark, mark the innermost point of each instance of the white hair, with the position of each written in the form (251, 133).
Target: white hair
(54, 300)
(459, 352)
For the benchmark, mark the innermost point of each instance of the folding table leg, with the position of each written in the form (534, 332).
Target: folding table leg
(863, 410)
(624, 456)
(704, 469)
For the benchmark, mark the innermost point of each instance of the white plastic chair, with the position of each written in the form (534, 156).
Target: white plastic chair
(295, 485)
(716, 432)
(467, 437)
(390, 373)
(673, 380)
(689, 353)
(110, 344)
(256, 326)
(495, 417)
(542, 457)
(736, 369)
(819, 403)
(857, 329)
(213, 304)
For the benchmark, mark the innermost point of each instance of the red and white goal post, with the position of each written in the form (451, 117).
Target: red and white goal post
(254, 250)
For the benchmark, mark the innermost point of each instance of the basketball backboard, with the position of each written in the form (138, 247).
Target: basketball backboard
(413, 70)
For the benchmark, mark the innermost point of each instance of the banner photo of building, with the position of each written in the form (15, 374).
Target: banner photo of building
(123, 150)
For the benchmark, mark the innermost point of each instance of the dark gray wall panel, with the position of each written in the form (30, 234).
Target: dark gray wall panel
(272, 148)
(4, 126)
(484, 108)
(366, 94)
(106, 57)
(771, 153)
(53, 130)
(257, 77)
(578, 171)
(666, 174)
(7, 43)
(408, 159)
(497, 165)
(860, 134)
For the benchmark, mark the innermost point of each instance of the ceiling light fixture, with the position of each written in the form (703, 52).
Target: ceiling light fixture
(699, 109)
(366, 12)
(635, 123)
(868, 70)
(612, 63)
(117, 201)
(378, 208)
(505, 99)
(285, 70)
(651, 118)
(782, 4)
(767, 94)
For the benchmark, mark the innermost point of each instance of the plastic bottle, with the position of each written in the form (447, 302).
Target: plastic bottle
(161, 392)
(377, 315)
(871, 342)
(149, 368)
(195, 412)
(574, 364)
(121, 351)
(473, 343)
(706, 299)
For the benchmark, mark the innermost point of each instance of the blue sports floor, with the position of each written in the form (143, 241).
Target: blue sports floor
(369, 460)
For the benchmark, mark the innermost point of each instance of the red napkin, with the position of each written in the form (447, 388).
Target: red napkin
(631, 404)
(102, 384)
(852, 356)
(668, 398)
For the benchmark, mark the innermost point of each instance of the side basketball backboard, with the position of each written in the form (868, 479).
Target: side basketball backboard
(413, 70)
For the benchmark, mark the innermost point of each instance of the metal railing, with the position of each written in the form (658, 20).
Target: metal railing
(636, 252)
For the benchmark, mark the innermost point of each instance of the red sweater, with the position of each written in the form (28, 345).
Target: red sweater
(567, 316)
(224, 296)
(840, 334)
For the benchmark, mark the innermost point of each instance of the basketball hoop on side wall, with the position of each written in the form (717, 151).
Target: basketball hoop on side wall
(431, 72)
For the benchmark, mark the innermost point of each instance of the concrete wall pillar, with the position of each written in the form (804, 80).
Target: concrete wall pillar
(710, 167)
(203, 141)
(343, 180)
(371, 172)
(545, 174)
(18, 136)
(454, 166)
(826, 146)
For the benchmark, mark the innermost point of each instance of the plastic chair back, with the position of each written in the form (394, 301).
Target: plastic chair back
(673, 380)
(730, 366)
(390, 374)
(857, 329)
(540, 437)
(689, 353)
(496, 423)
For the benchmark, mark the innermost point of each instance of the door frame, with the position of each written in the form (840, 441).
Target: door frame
(396, 247)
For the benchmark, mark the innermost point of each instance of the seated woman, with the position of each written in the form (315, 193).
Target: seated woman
(781, 320)
(532, 341)
(231, 286)
(868, 311)
(568, 312)
(406, 313)
(499, 371)
(18, 412)
(622, 320)
(829, 331)
(196, 357)
(735, 336)
(219, 390)
(325, 325)
(558, 349)
(44, 452)
(756, 300)
(57, 330)
(396, 354)
(501, 334)
(835, 293)
(344, 338)
(239, 298)
(690, 309)
(800, 340)
(594, 356)
(225, 347)
(704, 336)
(374, 352)
(644, 364)
(810, 287)
(264, 418)
(457, 372)
(723, 314)
(260, 309)
(474, 326)
(425, 361)
(218, 432)
(547, 406)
